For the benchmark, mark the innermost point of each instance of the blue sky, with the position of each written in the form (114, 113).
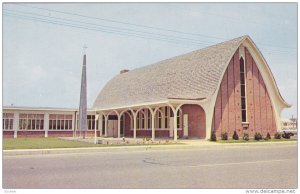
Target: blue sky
(42, 60)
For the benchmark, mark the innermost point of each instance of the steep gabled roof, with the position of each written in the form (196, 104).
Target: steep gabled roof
(195, 75)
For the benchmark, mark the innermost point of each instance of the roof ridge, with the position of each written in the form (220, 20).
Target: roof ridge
(181, 55)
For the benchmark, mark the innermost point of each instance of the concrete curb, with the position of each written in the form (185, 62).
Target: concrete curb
(185, 145)
(88, 149)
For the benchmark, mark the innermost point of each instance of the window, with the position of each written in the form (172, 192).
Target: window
(138, 121)
(178, 119)
(121, 123)
(143, 120)
(31, 121)
(103, 125)
(243, 90)
(149, 119)
(159, 119)
(8, 120)
(60, 122)
(91, 122)
(166, 117)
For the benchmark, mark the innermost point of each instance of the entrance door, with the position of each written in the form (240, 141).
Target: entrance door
(185, 125)
(112, 127)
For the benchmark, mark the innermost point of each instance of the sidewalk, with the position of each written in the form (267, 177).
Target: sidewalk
(182, 144)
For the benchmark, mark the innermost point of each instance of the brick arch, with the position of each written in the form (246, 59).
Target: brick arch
(196, 120)
(227, 110)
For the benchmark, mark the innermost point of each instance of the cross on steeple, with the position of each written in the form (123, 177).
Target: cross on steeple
(84, 48)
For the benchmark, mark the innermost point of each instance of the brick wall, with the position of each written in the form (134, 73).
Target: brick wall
(227, 112)
(8, 134)
(196, 120)
(31, 133)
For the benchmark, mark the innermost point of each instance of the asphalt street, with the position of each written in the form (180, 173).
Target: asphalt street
(252, 166)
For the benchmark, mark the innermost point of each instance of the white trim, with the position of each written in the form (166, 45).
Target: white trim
(154, 104)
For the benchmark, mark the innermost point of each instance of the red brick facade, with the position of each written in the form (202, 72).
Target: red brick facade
(227, 113)
(7, 134)
(196, 120)
(31, 133)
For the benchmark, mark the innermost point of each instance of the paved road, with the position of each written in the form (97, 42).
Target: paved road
(253, 166)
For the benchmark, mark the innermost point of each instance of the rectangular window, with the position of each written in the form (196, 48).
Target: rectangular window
(242, 78)
(42, 124)
(103, 124)
(8, 120)
(143, 121)
(33, 124)
(70, 124)
(60, 122)
(243, 103)
(121, 123)
(58, 125)
(159, 119)
(166, 117)
(178, 119)
(244, 115)
(149, 119)
(138, 121)
(31, 121)
(243, 92)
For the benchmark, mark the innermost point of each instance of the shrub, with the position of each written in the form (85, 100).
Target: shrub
(246, 137)
(235, 136)
(268, 136)
(224, 136)
(213, 136)
(286, 135)
(277, 135)
(258, 136)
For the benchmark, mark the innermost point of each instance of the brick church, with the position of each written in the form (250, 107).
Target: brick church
(223, 88)
(226, 87)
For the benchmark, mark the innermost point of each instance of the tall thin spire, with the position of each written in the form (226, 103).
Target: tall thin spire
(82, 121)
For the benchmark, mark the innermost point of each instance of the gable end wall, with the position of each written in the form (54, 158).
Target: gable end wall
(227, 110)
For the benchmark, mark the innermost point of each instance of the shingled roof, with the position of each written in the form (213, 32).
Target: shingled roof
(194, 75)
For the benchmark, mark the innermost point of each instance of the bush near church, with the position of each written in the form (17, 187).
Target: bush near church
(213, 136)
(286, 135)
(246, 137)
(235, 136)
(277, 135)
(224, 136)
(258, 136)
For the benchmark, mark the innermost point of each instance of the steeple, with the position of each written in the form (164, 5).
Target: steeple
(82, 121)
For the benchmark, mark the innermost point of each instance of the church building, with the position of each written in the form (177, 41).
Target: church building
(226, 87)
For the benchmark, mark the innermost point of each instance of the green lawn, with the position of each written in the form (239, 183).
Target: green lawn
(50, 142)
(253, 140)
